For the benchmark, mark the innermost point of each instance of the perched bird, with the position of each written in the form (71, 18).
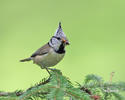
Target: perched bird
(51, 53)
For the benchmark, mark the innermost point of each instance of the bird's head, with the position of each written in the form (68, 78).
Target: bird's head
(59, 39)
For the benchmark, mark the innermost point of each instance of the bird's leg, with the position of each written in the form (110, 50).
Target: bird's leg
(52, 69)
(48, 71)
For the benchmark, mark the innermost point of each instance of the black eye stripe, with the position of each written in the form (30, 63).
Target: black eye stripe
(57, 37)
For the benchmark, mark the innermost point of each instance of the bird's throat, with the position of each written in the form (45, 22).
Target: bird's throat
(61, 49)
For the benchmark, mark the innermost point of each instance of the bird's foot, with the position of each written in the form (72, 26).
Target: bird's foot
(52, 69)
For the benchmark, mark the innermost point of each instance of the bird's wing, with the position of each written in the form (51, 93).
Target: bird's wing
(41, 51)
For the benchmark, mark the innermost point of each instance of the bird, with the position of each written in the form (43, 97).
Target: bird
(52, 52)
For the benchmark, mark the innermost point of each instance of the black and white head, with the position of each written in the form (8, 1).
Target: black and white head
(59, 40)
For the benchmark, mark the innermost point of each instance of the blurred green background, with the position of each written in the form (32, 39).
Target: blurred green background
(95, 29)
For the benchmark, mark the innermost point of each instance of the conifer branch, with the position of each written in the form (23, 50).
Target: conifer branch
(59, 87)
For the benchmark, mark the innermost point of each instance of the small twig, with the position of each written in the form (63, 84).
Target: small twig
(111, 76)
(86, 90)
(4, 93)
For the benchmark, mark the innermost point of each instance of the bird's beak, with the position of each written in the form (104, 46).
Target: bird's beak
(65, 41)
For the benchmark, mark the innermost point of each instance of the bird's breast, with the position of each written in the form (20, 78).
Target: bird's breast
(49, 59)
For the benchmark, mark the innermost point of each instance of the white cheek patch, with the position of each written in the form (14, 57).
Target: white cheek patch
(55, 43)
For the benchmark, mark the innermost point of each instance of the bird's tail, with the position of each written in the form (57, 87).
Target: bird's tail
(27, 59)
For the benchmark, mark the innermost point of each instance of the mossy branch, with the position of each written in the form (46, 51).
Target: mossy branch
(59, 87)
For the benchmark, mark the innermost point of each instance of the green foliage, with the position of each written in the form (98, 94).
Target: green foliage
(59, 87)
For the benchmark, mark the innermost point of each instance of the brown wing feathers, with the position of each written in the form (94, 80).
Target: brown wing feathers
(41, 51)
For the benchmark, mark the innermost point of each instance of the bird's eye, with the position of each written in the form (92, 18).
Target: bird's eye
(58, 38)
